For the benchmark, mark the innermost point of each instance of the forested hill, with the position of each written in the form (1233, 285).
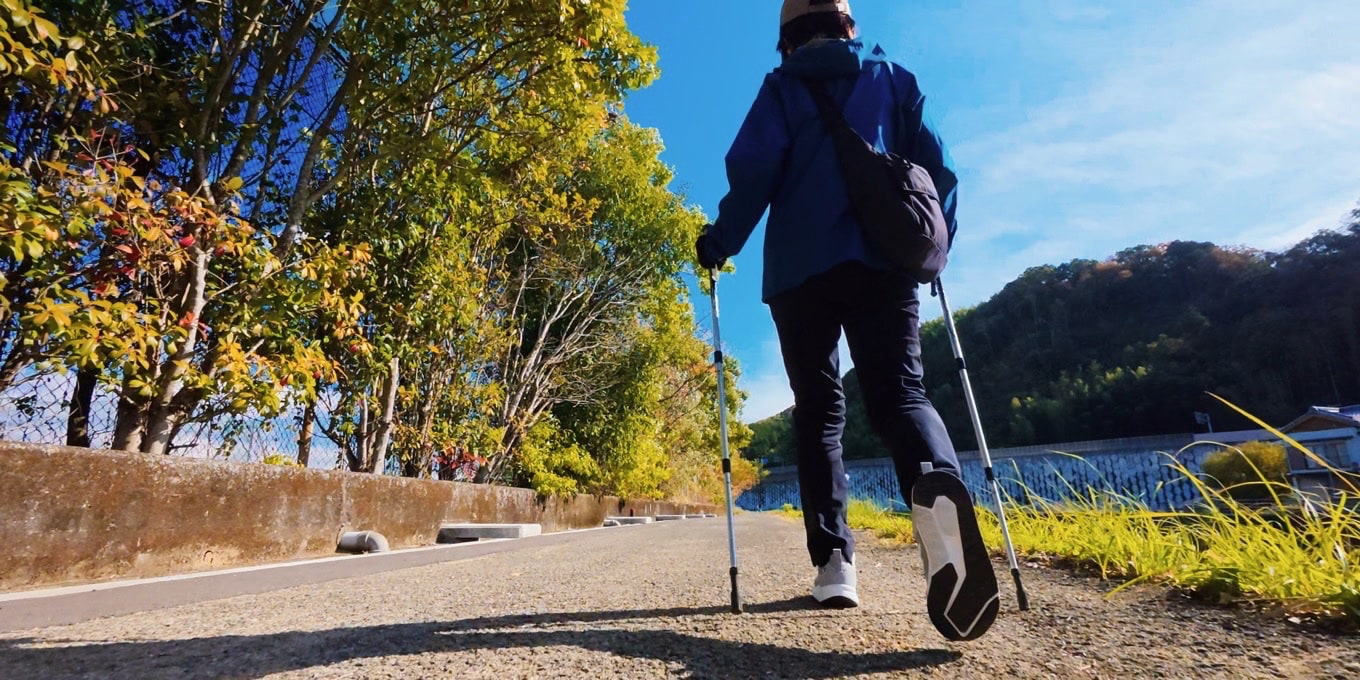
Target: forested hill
(1129, 346)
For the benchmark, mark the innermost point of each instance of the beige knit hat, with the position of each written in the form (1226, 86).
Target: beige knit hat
(797, 8)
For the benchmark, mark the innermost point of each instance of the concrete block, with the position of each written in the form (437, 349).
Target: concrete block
(610, 523)
(460, 533)
(668, 518)
(629, 520)
(695, 516)
(709, 514)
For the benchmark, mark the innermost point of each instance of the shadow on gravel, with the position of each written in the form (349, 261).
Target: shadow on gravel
(245, 656)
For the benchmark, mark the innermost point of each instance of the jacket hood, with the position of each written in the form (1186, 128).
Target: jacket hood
(835, 59)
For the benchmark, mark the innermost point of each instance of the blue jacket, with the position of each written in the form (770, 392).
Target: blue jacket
(783, 159)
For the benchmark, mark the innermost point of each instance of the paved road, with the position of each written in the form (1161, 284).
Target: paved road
(642, 602)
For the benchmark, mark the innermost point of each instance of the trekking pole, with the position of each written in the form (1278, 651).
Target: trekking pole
(722, 429)
(937, 288)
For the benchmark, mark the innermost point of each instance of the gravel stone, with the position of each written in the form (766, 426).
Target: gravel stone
(651, 602)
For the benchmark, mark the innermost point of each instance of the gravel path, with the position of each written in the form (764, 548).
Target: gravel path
(643, 602)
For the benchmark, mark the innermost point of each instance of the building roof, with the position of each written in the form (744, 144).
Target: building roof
(1325, 416)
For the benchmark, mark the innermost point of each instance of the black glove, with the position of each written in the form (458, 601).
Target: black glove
(705, 249)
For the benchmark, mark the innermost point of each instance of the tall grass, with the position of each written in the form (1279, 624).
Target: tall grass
(865, 515)
(1305, 560)
(1296, 553)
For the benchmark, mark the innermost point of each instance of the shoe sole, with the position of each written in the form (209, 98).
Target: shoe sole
(837, 598)
(961, 594)
(838, 602)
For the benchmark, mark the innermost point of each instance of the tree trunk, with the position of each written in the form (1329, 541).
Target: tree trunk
(419, 464)
(389, 410)
(163, 415)
(127, 434)
(78, 422)
(359, 462)
(304, 453)
(303, 195)
(9, 369)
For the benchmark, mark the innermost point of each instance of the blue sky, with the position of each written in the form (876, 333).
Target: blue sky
(1078, 128)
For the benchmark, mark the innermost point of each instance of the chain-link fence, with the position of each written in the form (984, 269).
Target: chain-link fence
(37, 409)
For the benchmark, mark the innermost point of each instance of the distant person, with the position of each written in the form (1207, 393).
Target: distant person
(821, 277)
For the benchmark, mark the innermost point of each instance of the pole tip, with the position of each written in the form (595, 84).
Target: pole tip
(1021, 598)
(736, 596)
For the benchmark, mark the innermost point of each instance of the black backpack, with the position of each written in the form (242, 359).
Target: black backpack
(894, 199)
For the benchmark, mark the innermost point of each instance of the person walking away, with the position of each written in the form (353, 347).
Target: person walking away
(822, 278)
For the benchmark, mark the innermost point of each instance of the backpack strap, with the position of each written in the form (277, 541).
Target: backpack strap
(838, 126)
(842, 135)
(899, 120)
(831, 114)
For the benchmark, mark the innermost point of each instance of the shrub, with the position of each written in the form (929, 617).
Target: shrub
(1246, 471)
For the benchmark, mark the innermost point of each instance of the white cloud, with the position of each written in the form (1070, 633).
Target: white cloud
(1228, 121)
(1280, 236)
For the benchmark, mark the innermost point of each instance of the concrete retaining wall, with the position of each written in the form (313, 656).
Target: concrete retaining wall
(76, 515)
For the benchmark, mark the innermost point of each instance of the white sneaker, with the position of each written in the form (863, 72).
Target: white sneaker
(835, 583)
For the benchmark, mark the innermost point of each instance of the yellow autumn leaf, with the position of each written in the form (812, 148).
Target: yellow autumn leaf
(45, 29)
(19, 17)
(61, 313)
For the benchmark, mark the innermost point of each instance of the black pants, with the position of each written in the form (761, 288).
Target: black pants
(880, 313)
